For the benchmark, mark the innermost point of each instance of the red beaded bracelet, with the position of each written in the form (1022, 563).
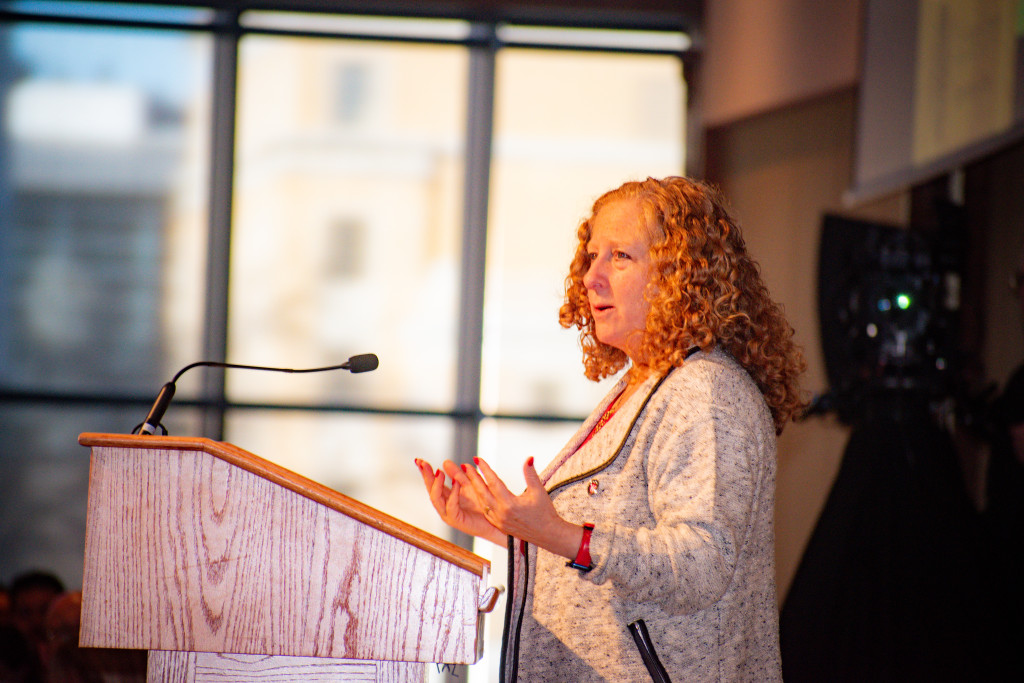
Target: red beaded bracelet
(582, 561)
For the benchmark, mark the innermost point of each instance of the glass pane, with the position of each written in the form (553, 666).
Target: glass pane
(347, 218)
(369, 458)
(45, 483)
(102, 206)
(605, 119)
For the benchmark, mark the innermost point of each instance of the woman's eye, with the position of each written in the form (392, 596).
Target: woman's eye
(621, 255)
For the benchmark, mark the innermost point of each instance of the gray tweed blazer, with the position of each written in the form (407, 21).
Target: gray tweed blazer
(680, 485)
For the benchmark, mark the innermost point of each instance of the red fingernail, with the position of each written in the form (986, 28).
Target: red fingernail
(465, 467)
(476, 460)
(438, 473)
(529, 461)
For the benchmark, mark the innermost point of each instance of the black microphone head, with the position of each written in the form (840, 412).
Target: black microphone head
(364, 362)
(156, 413)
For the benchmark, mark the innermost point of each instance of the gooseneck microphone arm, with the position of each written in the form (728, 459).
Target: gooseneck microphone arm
(364, 362)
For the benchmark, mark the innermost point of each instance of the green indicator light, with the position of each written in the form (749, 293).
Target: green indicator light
(903, 301)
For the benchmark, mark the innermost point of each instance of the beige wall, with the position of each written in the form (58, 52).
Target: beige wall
(760, 56)
(1002, 203)
(781, 173)
(778, 101)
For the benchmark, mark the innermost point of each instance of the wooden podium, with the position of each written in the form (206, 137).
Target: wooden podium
(227, 567)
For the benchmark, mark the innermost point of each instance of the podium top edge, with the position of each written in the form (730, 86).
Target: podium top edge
(299, 484)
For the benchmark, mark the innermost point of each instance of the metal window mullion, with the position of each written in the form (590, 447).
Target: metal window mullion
(218, 257)
(479, 133)
(8, 75)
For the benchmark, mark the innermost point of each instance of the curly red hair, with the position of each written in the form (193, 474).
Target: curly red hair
(704, 290)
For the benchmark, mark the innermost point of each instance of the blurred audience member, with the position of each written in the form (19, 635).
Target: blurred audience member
(31, 594)
(19, 663)
(66, 662)
(40, 644)
(63, 660)
(1005, 508)
(5, 606)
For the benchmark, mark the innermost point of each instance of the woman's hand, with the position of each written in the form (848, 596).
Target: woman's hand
(530, 516)
(457, 505)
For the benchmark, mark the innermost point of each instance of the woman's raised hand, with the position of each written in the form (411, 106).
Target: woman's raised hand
(457, 505)
(530, 516)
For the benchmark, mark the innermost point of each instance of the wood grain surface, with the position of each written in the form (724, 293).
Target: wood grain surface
(302, 485)
(187, 551)
(206, 667)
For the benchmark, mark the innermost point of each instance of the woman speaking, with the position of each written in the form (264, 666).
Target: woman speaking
(646, 548)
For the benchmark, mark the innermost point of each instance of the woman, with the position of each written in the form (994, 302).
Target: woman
(663, 501)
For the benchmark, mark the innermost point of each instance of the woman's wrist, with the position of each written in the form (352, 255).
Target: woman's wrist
(567, 543)
(582, 560)
(497, 537)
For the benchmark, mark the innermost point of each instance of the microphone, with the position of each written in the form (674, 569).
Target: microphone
(364, 362)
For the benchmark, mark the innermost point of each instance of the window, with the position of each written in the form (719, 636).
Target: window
(351, 92)
(102, 234)
(345, 252)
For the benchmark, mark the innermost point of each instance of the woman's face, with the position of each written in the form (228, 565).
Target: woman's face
(619, 269)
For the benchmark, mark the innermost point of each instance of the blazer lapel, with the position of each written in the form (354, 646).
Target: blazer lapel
(575, 460)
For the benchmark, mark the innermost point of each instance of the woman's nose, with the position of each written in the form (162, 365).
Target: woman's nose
(592, 276)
